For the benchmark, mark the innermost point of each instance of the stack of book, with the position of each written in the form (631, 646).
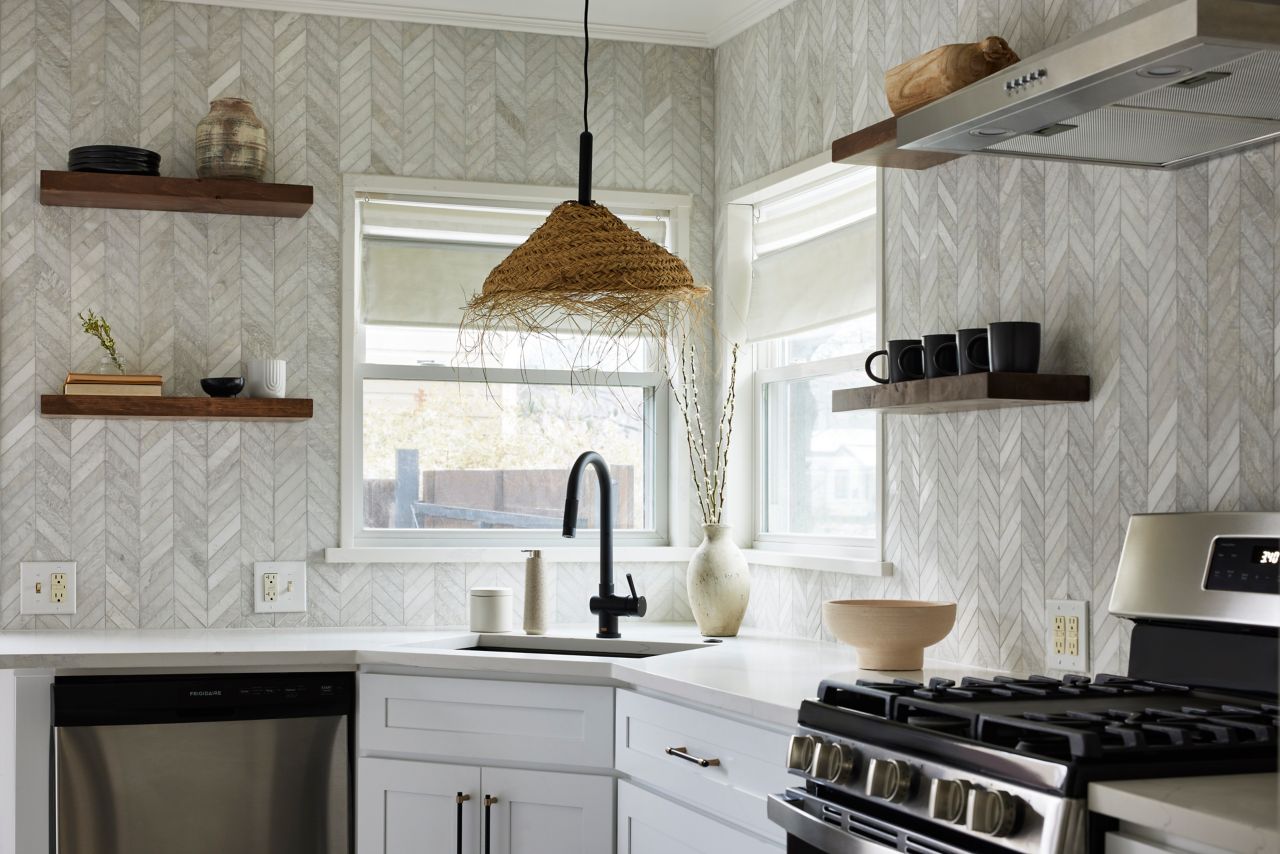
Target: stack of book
(114, 385)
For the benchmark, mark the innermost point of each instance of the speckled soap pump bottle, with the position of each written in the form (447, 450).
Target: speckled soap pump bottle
(537, 605)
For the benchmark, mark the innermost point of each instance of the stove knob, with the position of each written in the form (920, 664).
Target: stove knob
(947, 800)
(993, 813)
(833, 762)
(800, 752)
(889, 779)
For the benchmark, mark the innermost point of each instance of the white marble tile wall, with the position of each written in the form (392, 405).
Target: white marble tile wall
(1162, 286)
(166, 519)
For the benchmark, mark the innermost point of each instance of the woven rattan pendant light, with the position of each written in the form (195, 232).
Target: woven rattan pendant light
(586, 269)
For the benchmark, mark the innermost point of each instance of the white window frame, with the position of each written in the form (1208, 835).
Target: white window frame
(359, 545)
(860, 556)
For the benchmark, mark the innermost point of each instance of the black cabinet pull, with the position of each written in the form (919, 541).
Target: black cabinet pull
(489, 801)
(461, 799)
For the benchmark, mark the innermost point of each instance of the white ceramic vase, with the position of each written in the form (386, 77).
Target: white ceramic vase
(719, 583)
(265, 378)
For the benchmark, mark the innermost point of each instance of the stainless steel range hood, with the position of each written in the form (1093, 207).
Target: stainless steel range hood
(1166, 84)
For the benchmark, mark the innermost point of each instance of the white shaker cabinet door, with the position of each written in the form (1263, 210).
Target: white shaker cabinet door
(649, 824)
(546, 812)
(412, 808)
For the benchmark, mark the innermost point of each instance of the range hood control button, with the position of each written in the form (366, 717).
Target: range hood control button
(993, 813)
(800, 752)
(889, 779)
(948, 799)
(833, 762)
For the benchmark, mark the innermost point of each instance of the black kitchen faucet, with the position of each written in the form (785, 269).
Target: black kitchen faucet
(608, 605)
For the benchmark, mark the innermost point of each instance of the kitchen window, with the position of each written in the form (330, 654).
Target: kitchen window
(445, 447)
(809, 254)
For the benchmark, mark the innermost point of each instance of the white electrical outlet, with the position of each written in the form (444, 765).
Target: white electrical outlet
(279, 587)
(1067, 625)
(48, 587)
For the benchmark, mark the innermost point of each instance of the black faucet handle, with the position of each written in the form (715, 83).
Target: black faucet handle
(638, 604)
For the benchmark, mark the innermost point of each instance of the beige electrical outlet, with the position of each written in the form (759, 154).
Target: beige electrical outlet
(58, 587)
(270, 582)
(1067, 624)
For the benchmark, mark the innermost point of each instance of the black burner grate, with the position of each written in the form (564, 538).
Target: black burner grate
(1070, 718)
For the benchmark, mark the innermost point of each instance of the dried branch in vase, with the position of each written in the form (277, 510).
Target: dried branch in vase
(708, 465)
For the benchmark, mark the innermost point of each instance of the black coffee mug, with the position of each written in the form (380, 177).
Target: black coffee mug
(1015, 346)
(940, 356)
(906, 361)
(971, 351)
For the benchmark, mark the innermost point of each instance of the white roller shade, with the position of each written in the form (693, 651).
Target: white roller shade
(423, 260)
(815, 257)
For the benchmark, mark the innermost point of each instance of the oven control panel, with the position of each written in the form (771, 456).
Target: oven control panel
(1245, 565)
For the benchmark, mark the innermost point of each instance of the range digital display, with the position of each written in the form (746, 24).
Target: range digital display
(1266, 556)
(1245, 564)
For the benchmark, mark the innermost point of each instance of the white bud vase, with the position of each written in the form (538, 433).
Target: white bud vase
(719, 583)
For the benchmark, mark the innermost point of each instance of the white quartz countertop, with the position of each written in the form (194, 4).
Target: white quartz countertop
(756, 675)
(1235, 812)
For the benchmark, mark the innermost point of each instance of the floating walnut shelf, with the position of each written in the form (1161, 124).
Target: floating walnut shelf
(187, 408)
(188, 195)
(963, 393)
(877, 145)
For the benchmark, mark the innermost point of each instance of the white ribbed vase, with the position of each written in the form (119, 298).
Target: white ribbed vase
(719, 583)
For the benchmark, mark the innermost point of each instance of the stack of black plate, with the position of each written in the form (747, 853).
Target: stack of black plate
(117, 159)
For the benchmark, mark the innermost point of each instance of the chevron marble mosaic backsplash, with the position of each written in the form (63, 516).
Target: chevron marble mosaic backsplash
(1162, 287)
(166, 519)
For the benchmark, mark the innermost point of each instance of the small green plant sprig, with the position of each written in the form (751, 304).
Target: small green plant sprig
(97, 326)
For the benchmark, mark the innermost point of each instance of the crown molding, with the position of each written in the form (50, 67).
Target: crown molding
(391, 10)
(743, 19)
(407, 10)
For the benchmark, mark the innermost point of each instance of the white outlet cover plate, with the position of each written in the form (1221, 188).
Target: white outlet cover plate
(1067, 608)
(40, 571)
(287, 601)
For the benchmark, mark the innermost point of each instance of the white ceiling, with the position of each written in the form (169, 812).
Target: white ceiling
(693, 23)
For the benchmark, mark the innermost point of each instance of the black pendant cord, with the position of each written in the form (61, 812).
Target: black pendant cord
(585, 140)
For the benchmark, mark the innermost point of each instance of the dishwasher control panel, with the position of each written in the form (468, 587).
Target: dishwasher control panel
(105, 700)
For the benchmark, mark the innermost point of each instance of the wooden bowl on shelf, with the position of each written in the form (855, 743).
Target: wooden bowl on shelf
(889, 634)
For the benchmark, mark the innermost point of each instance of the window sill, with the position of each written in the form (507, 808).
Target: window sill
(503, 554)
(820, 563)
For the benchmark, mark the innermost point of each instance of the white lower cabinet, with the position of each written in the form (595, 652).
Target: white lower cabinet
(649, 824)
(412, 807)
(407, 807)
(545, 812)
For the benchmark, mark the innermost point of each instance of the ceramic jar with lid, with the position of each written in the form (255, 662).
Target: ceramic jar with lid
(491, 609)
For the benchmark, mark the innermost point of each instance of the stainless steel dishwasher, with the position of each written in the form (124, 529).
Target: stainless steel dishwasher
(247, 763)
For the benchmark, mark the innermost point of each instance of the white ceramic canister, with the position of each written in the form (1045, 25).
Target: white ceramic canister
(265, 378)
(491, 609)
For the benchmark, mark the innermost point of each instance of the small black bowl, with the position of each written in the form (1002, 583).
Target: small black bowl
(222, 386)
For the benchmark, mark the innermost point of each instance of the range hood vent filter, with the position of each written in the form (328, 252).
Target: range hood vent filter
(1128, 136)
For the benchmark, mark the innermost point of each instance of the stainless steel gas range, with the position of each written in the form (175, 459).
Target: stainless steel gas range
(1003, 765)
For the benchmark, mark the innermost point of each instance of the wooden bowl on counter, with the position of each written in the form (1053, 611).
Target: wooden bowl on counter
(889, 634)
